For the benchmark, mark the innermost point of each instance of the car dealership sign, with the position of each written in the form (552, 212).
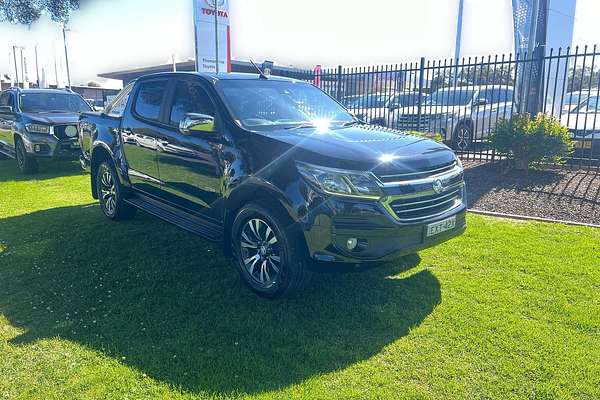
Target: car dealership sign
(206, 43)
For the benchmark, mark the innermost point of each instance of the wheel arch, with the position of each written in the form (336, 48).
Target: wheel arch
(256, 192)
(98, 156)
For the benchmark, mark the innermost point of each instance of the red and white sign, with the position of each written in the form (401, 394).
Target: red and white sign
(204, 24)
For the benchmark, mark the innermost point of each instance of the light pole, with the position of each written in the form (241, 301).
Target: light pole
(64, 29)
(459, 25)
(37, 68)
(217, 35)
(16, 68)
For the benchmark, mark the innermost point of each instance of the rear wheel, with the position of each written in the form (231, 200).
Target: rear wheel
(266, 252)
(110, 194)
(25, 163)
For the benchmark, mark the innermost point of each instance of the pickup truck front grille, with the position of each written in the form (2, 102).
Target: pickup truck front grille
(414, 122)
(425, 207)
(424, 197)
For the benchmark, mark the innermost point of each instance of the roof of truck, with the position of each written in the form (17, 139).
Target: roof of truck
(218, 77)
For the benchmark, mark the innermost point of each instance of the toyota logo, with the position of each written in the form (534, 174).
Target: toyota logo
(438, 186)
(211, 3)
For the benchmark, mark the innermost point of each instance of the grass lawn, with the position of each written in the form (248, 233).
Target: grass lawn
(91, 309)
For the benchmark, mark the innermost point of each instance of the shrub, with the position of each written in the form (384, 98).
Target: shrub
(428, 135)
(525, 140)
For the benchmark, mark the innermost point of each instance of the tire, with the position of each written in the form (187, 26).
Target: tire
(25, 163)
(111, 194)
(266, 252)
(463, 137)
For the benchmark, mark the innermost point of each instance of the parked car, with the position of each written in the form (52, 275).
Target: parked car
(462, 115)
(584, 124)
(274, 168)
(404, 100)
(368, 106)
(39, 124)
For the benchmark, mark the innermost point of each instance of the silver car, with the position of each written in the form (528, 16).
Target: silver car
(462, 115)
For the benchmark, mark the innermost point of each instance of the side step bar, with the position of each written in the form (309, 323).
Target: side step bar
(182, 219)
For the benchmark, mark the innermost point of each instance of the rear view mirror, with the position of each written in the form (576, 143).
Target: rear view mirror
(6, 110)
(197, 123)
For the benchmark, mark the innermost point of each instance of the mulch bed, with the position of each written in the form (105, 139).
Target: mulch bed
(558, 193)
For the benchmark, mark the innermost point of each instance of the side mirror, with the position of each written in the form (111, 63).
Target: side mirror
(481, 102)
(200, 123)
(6, 110)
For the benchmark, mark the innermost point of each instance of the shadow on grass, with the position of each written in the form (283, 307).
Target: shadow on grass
(169, 304)
(47, 170)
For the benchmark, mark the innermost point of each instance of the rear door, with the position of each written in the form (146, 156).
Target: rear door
(141, 129)
(189, 163)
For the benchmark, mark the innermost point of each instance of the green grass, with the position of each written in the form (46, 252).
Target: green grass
(101, 310)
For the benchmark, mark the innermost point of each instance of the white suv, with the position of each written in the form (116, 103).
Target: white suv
(463, 114)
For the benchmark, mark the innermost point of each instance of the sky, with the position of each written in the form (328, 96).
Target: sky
(110, 35)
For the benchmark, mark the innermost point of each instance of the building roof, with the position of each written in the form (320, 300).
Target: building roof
(190, 66)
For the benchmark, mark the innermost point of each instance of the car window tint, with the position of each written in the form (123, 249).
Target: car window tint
(189, 97)
(6, 99)
(149, 99)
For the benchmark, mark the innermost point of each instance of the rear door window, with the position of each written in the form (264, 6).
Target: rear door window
(149, 99)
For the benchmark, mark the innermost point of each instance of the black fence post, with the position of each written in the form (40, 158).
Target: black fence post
(421, 79)
(339, 83)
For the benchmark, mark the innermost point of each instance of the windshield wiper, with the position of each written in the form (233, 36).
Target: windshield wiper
(350, 123)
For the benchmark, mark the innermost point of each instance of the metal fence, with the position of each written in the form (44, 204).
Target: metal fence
(463, 100)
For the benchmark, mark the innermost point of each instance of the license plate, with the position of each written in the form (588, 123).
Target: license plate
(441, 226)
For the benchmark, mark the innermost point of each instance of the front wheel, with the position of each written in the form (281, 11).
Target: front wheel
(267, 253)
(110, 194)
(25, 163)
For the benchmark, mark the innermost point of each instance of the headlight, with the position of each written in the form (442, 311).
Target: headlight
(458, 162)
(37, 128)
(341, 182)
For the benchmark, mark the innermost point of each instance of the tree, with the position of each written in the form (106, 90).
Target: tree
(27, 12)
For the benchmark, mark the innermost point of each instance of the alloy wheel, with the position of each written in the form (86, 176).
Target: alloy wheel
(108, 192)
(261, 252)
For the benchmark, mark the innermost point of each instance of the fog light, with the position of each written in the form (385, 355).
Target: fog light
(37, 148)
(351, 243)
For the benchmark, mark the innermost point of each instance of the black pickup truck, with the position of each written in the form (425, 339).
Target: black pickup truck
(274, 168)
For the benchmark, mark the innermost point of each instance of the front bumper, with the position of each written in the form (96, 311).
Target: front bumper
(381, 236)
(42, 146)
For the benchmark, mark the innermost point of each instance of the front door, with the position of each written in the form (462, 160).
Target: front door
(140, 130)
(189, 162)
(7, 121)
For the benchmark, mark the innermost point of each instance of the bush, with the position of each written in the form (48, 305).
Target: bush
(428, 135)
(525, 140)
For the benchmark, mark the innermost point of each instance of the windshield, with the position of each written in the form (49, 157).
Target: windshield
(270, 104)
(52, 102)
(369, 101)
(589, 106)
(452, 97)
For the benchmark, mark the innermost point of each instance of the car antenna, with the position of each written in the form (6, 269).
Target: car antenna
(260, 72)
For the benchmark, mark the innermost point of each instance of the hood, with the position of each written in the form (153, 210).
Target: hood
(364, 147)
(53, 118)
